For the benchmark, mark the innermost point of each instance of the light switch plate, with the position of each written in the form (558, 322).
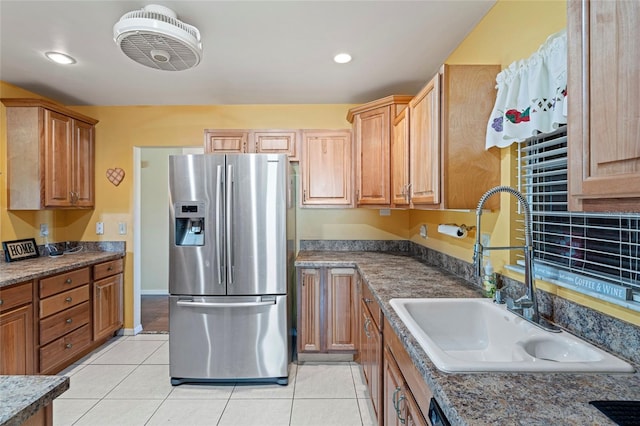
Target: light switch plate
(99, 228)
(122, 228)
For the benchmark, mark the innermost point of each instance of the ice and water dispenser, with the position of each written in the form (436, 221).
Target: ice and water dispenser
(189, 223)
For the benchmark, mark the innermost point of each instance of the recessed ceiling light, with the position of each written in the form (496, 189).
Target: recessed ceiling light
(342, 58)
(60, 58)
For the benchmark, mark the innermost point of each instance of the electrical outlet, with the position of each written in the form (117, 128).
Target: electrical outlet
(122, 228)
(44, 229)
(99, 228)
(486, 240)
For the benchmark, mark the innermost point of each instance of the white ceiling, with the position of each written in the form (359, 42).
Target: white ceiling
(255, 52)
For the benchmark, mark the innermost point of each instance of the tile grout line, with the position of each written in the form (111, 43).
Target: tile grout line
(293, 394)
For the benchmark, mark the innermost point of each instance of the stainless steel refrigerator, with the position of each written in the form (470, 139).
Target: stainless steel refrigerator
(232, 231)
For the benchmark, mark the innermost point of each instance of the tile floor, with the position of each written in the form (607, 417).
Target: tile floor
(126, 382)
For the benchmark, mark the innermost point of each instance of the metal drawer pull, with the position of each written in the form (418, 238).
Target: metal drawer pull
(1, 302)
(68, 281)
(69, 321)
(68, 345)
(110, 268)
(68, 299)
(367, 300)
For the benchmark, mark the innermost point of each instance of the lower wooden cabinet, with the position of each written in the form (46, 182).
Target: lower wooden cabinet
(371, 355)
(47, 324)
(326, 310)
(400, 407)
(16, 330)
(107, 298)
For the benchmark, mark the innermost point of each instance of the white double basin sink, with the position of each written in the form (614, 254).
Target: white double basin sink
(477, 335)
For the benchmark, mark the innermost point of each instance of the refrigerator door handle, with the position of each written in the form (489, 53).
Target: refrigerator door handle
(224, 305)
(219, 234)
(229, 224)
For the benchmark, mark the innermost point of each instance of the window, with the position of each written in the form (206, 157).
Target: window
(597, 254)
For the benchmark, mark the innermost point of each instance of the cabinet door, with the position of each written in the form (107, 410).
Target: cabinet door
(58, 147)
(373, 151)
(326, 168)
(340, 309)
(16, 341)
(276, 142)
(400, 160)
(309, 311)
(424, 144)
(603, 87)
(393, 391)
(225, 141)
(107, 306)
(82, 165)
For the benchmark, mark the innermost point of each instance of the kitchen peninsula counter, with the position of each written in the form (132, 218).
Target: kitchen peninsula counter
(25, 270)
(477, 398)
(23, 396)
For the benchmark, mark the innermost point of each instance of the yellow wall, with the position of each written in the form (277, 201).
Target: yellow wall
(513, 29)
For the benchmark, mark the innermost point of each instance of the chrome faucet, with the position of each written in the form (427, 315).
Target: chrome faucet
(527, 305)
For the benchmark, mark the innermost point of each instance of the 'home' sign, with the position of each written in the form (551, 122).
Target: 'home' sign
(20, 249)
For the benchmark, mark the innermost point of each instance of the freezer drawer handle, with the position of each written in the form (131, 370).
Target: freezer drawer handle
(223, 305)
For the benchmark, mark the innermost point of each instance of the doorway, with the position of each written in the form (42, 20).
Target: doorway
(151, 236)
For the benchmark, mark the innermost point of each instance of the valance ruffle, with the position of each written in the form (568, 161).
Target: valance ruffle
(532, 95)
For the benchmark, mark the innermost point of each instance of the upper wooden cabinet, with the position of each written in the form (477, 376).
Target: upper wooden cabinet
(400, 179)
(372, 131)
(325, 168)
(603, 87)
(50, 156)
(249, 140)
(449, 166)
(225, 141)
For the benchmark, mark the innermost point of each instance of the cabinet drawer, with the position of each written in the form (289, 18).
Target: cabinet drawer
(61, 301)
(64, 348)
(63, 322)
(63, 282)
(11, 297)
(107, 269)
(371, 303)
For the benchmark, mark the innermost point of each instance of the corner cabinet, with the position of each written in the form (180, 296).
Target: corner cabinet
(326, 310)
(325, 169)
(50, 151)
(603, 87)
(372, 130)
(449, 166)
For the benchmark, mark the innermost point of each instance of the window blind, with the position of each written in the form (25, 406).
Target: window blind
(594, 253)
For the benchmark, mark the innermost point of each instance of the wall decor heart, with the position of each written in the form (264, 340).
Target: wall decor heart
(115, 176)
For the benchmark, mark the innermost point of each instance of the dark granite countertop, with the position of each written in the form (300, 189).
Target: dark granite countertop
(478, 398)
(22, 396)
(25, 270)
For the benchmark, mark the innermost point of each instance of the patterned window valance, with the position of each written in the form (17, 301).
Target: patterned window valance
(531, 96)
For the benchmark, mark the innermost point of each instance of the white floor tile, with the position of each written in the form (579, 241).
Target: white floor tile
(110, 344)
(68, 411)
(259, 391)
(71, 370)
(203, 391)
(324, 381)
(360, 383)
(325, 412)
(150, 336)
(367, 414)
(256, 412)
(188, 412)
(110, 412)
(160, 356)
(95, 381)
(145, 382)
(129, 352)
